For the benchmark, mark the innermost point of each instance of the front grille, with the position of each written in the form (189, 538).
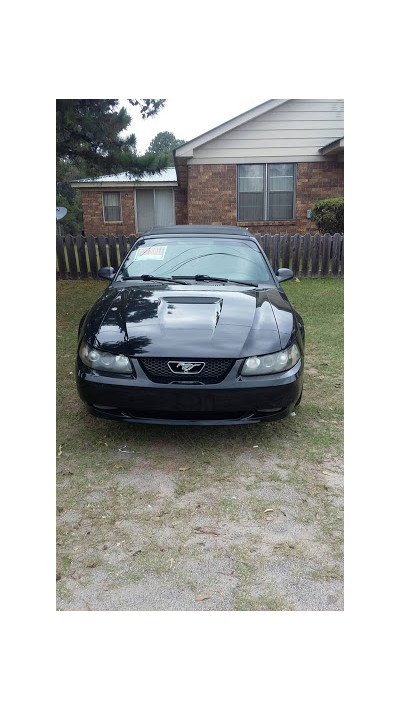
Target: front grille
(214, 371)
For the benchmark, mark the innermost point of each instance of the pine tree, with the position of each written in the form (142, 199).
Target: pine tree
(164, 143)
(88, 135)
(89, 144)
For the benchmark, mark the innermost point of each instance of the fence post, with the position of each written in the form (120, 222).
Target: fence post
(342, 255)
(112, 247)
(296, 254)
(286, 251)
(101, 242)
(121, 241)
(335, 254)
(267, 248)
(276, 258)
(306, 253)
(92, 254)
(62, 266)
(81, 251)
(315, 255)
(326, 253)
(69, 244)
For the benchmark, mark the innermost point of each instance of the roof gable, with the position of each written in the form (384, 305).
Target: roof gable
(289, 131)
(186, 151)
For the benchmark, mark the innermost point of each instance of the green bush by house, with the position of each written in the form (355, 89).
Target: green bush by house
(329, 215)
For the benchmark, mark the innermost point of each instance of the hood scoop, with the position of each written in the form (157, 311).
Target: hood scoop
(192, 300)
(185, 311)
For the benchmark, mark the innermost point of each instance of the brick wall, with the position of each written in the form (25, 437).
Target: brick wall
(93, 221)
(181, 213)
(212, 195)
(92, 207)
(211, 199)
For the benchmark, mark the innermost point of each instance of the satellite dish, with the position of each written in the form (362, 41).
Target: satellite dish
(60, 212)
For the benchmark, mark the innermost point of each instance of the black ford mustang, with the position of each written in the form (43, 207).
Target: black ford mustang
(194, 328)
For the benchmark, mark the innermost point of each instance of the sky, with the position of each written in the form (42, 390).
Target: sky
(188, 118)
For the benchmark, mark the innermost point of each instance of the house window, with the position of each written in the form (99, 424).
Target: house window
(280, 191)
(112, 207)
(251, 193)
(154, 208)
(266, 192)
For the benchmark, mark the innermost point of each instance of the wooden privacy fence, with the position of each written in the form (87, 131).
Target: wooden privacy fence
(307, 255)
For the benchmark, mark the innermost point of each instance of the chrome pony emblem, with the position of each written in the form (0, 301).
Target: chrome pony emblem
(179, 366)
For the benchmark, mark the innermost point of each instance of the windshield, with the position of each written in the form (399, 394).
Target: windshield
(188, 256)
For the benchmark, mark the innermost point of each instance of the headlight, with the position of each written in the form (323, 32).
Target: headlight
(272, 363)
(100, 360)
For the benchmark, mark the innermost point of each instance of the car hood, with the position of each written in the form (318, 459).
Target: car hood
(168, 320)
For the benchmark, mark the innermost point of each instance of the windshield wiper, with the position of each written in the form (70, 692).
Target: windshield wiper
(150, 277)
(205, 277)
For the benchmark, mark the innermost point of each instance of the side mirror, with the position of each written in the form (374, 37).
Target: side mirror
(106, 273)
(284, 274)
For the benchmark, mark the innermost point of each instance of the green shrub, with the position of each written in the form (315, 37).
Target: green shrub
(329, 215)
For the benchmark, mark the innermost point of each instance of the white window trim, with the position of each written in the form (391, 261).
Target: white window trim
(110, 222)
(266, 217)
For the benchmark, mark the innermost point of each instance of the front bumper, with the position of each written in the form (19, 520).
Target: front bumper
(236, 400)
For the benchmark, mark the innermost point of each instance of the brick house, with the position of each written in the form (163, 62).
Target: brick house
(262, 170)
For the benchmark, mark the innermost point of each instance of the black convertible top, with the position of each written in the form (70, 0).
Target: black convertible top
(188, 230)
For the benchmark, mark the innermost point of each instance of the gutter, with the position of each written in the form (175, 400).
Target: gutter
(333, 147)
(125, 184)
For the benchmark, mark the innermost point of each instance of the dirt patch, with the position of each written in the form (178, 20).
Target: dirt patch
(265, 536)
(146, 480)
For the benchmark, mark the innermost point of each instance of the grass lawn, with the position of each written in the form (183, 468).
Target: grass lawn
(124, 516)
